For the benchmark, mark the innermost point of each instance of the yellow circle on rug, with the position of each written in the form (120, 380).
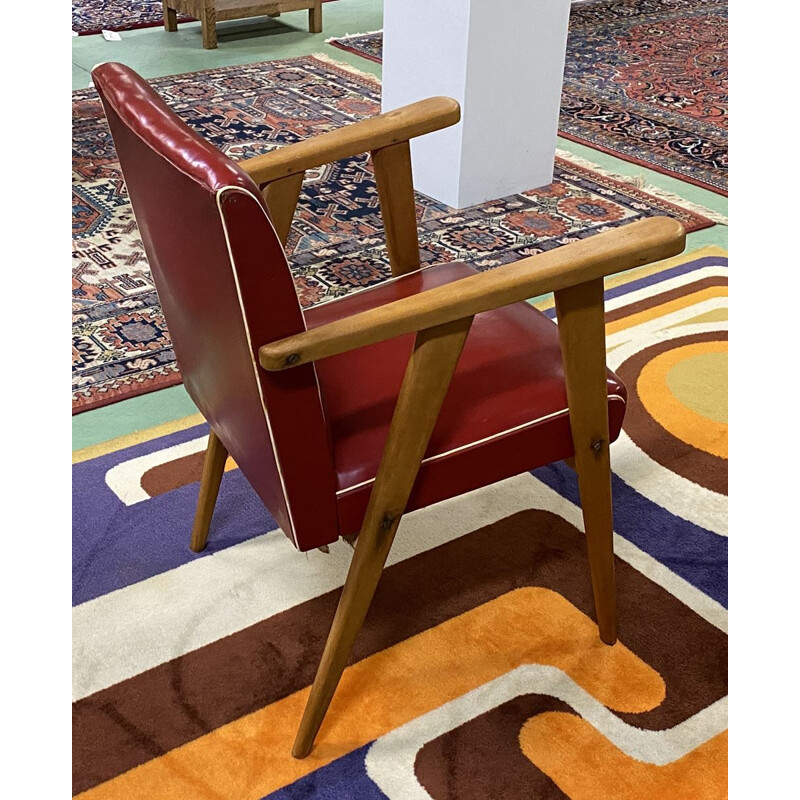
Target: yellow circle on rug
(685, 391)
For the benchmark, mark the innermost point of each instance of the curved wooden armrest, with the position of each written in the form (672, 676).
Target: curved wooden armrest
(374, 133)
(578, 263)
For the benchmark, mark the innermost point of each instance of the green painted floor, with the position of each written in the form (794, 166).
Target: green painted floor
(153, 52)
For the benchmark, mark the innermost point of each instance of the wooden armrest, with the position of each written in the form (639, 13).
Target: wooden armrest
(374, 133)
(580, 262)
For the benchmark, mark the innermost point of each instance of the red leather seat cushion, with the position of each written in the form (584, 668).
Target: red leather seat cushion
(505, 411)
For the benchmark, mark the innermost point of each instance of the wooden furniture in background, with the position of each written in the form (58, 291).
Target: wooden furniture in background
(209, 12)
(345, 415)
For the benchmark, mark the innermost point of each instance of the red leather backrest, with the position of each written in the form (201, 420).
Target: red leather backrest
(225, 289)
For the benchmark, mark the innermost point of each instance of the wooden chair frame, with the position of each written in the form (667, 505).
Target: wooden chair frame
(441, 319)
(209, 12)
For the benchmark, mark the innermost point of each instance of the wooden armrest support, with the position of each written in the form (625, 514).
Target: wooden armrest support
(374, 133)
(580, 262)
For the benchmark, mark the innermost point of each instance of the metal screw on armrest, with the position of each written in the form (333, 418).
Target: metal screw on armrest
(387, 522)
(597, 446)
(292, 359)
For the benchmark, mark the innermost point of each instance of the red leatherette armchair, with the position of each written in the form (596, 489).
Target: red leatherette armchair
(346, 415)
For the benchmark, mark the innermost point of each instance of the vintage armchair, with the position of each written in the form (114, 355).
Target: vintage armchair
(209, 12)
(345, 415)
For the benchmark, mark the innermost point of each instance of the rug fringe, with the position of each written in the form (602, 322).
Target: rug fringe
(352, 36)
(640, 182)
(347, 67)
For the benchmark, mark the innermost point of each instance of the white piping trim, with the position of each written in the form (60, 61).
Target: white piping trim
(218, 195)
(469, 446)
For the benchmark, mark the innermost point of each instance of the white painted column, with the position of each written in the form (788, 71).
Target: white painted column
(503, 60)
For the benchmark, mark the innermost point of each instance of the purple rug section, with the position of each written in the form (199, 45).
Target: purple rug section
(699, 556)
(115, 545)
(656, 277)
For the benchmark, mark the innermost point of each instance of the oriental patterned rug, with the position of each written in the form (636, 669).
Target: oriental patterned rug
(645, 80)
(93, 16)
(479, 673)
(121, 346)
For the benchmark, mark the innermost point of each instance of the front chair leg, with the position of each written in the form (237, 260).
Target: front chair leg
(581, 328)
(427, 377)
(213, 467)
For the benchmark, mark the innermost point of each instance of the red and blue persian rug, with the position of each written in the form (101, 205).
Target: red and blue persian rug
(479, 672)
(645, 80)
(121, 346)
(93, 16)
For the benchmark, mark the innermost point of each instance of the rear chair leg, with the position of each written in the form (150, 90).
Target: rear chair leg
(427, 377)
(581, 327)
(213, 467)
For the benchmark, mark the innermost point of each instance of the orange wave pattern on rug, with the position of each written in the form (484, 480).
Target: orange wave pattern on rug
(585, 765)
(524, 626)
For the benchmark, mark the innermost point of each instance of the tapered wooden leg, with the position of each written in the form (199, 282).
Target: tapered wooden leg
(581, 328)
(170, 17)
(427, 377)
(208, 20)
(281, 197)
(396, 192)
(315, 18)
(213, 467)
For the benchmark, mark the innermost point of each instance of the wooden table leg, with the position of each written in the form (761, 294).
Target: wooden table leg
(209, 22)
(170, 17)
(315, 18)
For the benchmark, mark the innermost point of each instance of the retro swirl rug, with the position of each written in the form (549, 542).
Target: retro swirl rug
(121, 346)
(645, 80)
(479, 672)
